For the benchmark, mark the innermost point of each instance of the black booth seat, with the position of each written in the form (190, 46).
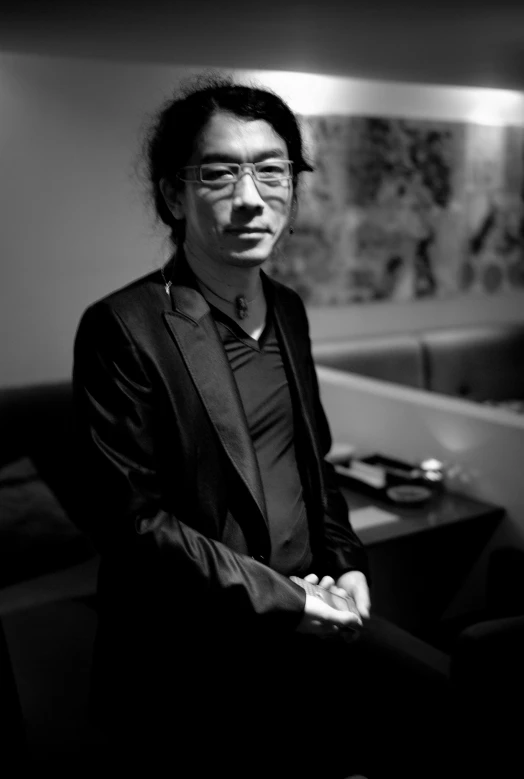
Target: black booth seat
(482, 363)
(45, 559)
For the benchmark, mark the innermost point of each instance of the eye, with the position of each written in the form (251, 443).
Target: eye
(215, 172)
(272, 169)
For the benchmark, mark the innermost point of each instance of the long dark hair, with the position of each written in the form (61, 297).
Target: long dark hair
(177, 127)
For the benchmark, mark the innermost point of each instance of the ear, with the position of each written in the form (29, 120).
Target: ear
(174, 199)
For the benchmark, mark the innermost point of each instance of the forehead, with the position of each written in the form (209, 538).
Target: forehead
(226, 135)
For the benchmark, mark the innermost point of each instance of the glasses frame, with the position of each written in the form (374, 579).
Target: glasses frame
(240, 167)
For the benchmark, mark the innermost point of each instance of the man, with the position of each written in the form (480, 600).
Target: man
(203, 442)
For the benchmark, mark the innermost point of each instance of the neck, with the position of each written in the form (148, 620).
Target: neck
(233, 294)
(227, 281)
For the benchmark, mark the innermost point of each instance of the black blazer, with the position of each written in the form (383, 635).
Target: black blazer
(171, 490)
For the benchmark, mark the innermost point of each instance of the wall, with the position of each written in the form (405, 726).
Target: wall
(73, 220)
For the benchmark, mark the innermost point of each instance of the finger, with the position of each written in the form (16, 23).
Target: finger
(348, 631)
(324, 629)
(350, 619)
(317, 608)
(329, 630)
(338, 591)
(342, 593)
(362, 601)
(351, 630)
(340, 600)
(311, 578)
(327, 582)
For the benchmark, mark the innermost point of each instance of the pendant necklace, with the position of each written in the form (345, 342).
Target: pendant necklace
(240, 303)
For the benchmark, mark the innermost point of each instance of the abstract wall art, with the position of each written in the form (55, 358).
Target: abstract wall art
(405, 209)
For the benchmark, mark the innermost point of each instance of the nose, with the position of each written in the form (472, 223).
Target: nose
(246, 194)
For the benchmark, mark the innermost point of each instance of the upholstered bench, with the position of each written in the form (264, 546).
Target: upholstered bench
(46, 562)
(396, 358)
(480, 363)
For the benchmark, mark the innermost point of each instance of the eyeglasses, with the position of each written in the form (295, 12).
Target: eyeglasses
(223, 173)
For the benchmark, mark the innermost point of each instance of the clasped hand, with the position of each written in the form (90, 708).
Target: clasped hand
(322, 620)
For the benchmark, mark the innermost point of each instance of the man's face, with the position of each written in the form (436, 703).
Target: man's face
(238, 224)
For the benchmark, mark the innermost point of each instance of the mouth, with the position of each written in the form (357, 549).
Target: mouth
(247, 230)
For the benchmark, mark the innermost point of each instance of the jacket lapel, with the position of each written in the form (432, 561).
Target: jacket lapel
(196, 336)
(298, 374)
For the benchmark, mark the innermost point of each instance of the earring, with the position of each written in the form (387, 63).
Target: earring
(291, 229)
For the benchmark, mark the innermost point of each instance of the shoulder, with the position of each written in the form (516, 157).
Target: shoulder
(289, 306)
(281, 289)
(131, 304)
(285, 295)
(145, 289)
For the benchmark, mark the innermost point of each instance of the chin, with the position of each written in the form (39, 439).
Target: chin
(247, 259)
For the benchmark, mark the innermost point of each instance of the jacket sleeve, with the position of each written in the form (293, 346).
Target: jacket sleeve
(343, 550)
(124, 509)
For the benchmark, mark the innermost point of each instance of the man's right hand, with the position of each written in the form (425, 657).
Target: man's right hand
(322, 620)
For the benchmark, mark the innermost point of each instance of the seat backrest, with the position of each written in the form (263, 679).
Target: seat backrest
(36, 421)
(395, 358)
(478, 363)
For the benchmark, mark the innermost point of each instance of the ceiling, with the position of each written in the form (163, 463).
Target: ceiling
(464, 43)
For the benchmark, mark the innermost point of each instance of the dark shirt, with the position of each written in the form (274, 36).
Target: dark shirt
(262, 383)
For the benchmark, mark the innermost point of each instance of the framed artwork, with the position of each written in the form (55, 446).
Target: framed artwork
(403, 209)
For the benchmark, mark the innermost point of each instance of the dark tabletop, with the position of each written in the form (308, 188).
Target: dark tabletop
(439, 512)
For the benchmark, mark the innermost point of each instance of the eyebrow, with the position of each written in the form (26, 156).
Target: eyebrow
(267, 154)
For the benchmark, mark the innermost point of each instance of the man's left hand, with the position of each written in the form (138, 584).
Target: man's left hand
(355, 584)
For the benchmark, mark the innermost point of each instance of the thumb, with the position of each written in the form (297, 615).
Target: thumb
(362, 601)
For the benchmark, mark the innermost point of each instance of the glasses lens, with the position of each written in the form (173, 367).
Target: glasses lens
(273, 170)
(219, 173)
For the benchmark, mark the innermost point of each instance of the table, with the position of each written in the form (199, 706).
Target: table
(419, 561)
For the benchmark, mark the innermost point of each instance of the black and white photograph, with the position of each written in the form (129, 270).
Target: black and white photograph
(261, 389)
